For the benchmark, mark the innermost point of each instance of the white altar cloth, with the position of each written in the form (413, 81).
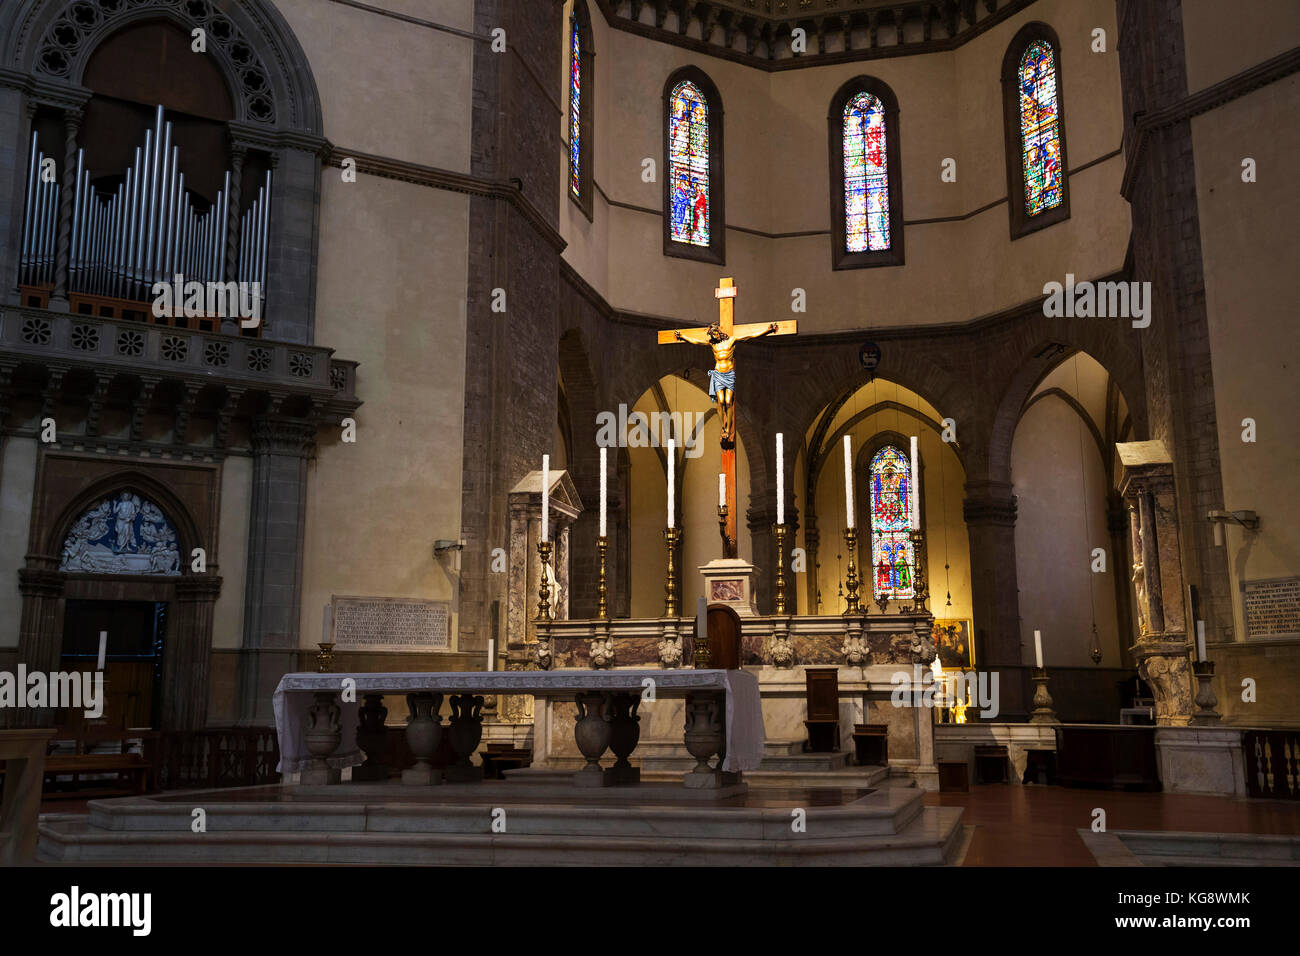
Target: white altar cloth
(294, 697)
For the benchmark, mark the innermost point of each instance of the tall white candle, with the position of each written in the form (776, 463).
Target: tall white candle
(780, 478)
(492, 653)
(915, 483)
(326, 623)
(1038, 649)
(603, 466)
(1200, 641)
(546, 495)
(848, 479)
(722, 489)
(672, 479)
(103, 649)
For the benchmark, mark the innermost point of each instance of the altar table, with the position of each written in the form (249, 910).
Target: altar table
(320, 733)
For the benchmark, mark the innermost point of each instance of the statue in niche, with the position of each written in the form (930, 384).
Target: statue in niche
(1140, 586)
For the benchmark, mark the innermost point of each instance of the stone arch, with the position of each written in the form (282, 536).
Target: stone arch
(267, 71)
(1098, 340)
(147, 487)
(582, 395)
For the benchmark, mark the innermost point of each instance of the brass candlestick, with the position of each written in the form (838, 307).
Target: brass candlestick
(851, 576)
(544, 591)
(671, 536)
(602, 609)
(780, 531)
(325, 657)
(1206, 700)
(920, 587)
(1044, 711)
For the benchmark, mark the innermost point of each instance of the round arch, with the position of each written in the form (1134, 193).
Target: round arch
(264, 65)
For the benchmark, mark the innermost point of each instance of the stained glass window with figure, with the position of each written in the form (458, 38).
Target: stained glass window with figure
(892, 558)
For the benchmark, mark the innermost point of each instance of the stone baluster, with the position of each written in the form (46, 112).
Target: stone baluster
(593, 733)
(423, 734)
(324, 732)
(466, 731)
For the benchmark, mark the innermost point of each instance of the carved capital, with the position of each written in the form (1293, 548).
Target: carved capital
(38, 582)
(283, 436)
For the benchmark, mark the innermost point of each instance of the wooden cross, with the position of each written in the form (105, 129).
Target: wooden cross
(724, 362)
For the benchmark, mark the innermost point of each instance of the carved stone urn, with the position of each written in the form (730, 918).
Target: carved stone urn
(324, 731)
(465, 732)
(592, 733)
(625, 732)
(704, 731)
(423, 734)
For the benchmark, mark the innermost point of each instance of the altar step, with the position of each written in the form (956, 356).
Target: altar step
(546, 823)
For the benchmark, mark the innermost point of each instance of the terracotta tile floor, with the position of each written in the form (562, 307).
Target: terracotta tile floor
(1037, 826)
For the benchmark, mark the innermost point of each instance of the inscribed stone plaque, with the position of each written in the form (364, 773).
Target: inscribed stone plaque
(390, 624)
(1272, 607)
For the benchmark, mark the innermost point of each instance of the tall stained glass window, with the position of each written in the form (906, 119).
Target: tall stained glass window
(866, 175)
(575, 105)
(688, 159)
(1040, 132)
(892, 559)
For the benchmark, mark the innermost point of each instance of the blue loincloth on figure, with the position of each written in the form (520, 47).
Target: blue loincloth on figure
(720, 380)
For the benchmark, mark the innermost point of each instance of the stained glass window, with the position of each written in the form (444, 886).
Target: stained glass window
(866, 176)
(575, 103)
(688, 160)
(892, 560)
(1040, 135)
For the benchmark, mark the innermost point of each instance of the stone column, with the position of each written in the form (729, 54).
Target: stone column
(291, 259)
(40, 635)
(273, 591)
(67, 194)
(1161, 651)
(238, 156)
(188, 652)
(990, 513)
(16, 112)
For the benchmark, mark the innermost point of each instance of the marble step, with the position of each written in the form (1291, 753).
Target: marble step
(931, 838)
(1256, 848)
(530, 809)
(783, 747)
(806, 763)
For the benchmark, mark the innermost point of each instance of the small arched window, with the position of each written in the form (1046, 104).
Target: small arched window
(893, 562)
(694, 227)
(1037, 175)
(581, 73)
(866, 199)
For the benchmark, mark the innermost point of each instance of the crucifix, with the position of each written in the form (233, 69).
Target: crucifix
(722, 337)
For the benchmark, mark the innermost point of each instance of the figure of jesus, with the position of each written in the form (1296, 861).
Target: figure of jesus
(722, 377)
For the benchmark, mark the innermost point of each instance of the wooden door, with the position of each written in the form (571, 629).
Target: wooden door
(724, 638)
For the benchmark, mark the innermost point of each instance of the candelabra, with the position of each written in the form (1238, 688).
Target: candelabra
(920, 586)
(1205, 696)
(851, 576)
(671, 537)
(602, 609)
(325, 657)
(1044, 711)
(544, 590)
(780, 531)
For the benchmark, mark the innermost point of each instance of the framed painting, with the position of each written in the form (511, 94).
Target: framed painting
(952, 641)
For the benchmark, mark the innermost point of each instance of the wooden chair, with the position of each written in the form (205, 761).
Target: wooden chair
(823, 723)
(724, 637)
(871, 744)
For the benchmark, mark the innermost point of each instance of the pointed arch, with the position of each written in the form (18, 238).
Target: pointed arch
(693, 183)
(866, 195)
(1033, 101)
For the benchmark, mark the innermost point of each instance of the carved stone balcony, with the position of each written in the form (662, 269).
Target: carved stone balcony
(54, 360)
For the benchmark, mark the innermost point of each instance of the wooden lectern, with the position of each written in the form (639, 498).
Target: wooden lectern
(823, 723)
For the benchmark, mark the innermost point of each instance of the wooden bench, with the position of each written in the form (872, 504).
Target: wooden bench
(132, 773)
